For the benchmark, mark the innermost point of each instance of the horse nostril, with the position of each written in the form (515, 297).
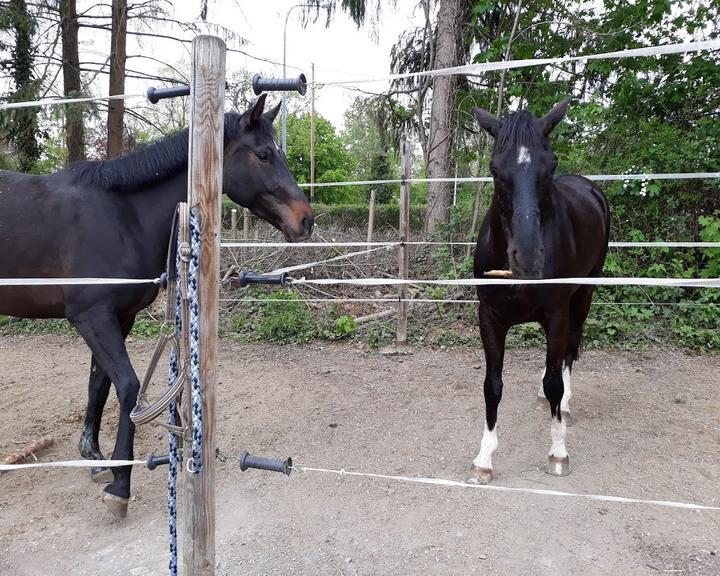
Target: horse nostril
(307, 223)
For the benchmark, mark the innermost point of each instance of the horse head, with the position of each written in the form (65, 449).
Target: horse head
(256, 173)
(523, 168)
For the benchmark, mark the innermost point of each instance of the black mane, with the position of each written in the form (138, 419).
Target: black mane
(153, 163)
(519, 129)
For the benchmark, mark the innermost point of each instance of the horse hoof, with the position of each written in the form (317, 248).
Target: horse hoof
(480, 475)
(116, 504)
(101, 475)
(558, 466)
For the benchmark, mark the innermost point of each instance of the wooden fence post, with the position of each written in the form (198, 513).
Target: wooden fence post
(205, 166)
(246, 224)
(403, 257)
(371, 221)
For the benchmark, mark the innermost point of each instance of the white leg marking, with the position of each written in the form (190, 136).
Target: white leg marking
(557, 433)
(541, 392)
(523, 156)
(487, 447)
(567, 393)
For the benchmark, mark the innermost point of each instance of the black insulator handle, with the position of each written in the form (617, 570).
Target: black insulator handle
(249, 277)
(153, 461)
(271, 464)
(157, 94)
(260, 84)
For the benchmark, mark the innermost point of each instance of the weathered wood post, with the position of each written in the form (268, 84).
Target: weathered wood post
(403, 257)
(233, 223)
(205, 165)
(371, 221)
(246, 224)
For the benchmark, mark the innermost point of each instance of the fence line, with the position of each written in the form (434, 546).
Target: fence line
(619, 281)
(481, 68)
(515, 489)
(75, 281)
(438, 243)
(435, 301)
(59, 101)
(594, 177)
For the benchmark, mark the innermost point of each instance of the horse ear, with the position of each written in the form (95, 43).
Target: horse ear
(552, 118)
(272, 114)
(258, 109)
(487, 121)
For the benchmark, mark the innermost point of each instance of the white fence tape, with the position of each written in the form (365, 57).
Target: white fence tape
(73, 464)
(595, 177)
(667, 282)
(495, 488)
(483, 67)
(58, 101)
(75, 281)
(429, 243)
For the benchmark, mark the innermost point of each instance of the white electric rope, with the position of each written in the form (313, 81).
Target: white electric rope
(327, 261)
(667, 282)
(483, 67)
(75, 281)
(58, 101)
(73, 464)
(595, 177)
(495, 488)
(435, 243)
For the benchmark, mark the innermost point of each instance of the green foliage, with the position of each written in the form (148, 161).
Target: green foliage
(711, 233)
(331, 158)
(10, 325)
(287, 321)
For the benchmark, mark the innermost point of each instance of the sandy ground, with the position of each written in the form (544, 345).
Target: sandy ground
(645, 425)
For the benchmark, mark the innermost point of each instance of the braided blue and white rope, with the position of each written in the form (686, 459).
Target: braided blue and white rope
(173, 373)
(193, 297)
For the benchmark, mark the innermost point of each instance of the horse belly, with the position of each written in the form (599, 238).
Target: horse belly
(32, 301)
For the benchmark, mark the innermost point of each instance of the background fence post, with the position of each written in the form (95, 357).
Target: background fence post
(205, 165)
(246, 224)
(403, 257)
(233, 223)
(371, 220)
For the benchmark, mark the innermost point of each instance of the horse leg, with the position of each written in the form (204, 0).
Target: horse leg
(556, 330)
(493, 335)
(579, 310)
(103, 334)
(98, 391)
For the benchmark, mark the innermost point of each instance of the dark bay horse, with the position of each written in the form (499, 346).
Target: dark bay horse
(113, 219)
(537, 226)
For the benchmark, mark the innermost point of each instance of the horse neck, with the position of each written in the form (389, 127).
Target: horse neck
(154, 208)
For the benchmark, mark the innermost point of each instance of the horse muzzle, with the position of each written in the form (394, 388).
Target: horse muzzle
(298, 222)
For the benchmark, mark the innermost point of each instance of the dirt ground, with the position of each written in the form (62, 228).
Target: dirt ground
(645, 425)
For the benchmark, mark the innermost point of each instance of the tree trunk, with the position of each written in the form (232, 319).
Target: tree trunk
(116, 108)
(24, 130)
(72, 88)
(443, 114)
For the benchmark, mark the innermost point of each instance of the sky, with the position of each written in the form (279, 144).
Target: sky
(339, 52)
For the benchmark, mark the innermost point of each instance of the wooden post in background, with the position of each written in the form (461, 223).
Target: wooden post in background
(246, 224)
(312, 131)
(205, 167)
(371, 219)
(233, 223)
(403, 257)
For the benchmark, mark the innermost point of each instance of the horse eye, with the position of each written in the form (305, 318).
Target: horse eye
(262, 156)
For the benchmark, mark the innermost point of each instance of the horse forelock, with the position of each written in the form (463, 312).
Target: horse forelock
(519, 129)
(150, 164)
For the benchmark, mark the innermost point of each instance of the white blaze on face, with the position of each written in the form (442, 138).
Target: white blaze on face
(523, 156)
(487, 447)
